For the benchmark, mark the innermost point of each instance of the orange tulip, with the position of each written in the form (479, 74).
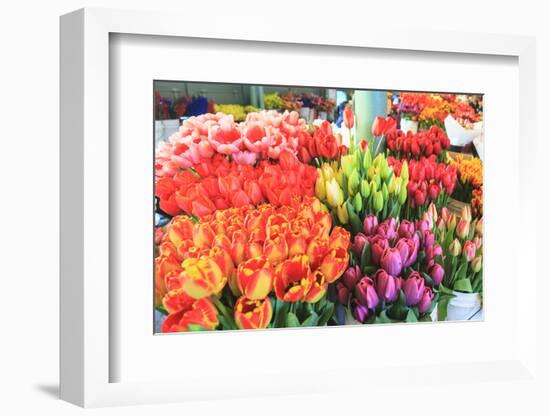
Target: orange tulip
(321, 225)
(253, 314)
(200, 312)
(176, 300)
(316, 251)
(348, 117)
(223, 259)
(277, 224)
(253, 249)
(293, 279)
(339, 238)
(203, 235)
(296, 242)
(255, 278)
(238, 246)
(202, 277)
(276, 248)
(318, 289)
(334, 263)
(180, 229)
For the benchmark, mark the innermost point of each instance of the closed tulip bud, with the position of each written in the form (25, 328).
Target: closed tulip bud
(342, 214)
(478, 242)
(479, 227)
(377, 180)
(318, 288)
(377, 201)
(255, 278)
(455, 248)
(385, 192)
(351, 276)
(202, 277)
(359, 242)
(413, 288)
(348, 117)
(369, 224)
(466, 213)
(342, 293)
(469, 250)
(357, 202)
(451, 223)
(367, 160)
(339, 176)
(276, 248)
(385, 170)
(391, 261)
(405, 171)
(365, 188)
(360, 312)
(463, 229)
(373, 187)
(425, 300)
(402, 195)
(347, 164)
(432, 211)
(320, 190)
(366, 293)
(335, 195)
(440, 224)
(353, 182)
(387, 286)
(477, 263)
(371, 172)
(437, 273)
(328, 172)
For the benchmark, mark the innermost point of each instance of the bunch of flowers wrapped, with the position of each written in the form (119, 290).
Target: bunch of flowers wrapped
(428, 181)
(436, 108)
(462, 242)
(465, 114)
(248, 268)
(323, 144)
(414, 146)
(361, 184)
(470, 182)
(217, 183)
(262, 135)
(411, 105)
(393, 276)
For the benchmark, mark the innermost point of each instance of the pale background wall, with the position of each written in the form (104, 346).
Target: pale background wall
(29, 164)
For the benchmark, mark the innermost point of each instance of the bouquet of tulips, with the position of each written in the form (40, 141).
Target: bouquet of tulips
(428, 181)
(414, 146)
(462, 242)
(263, 135)
(393, 275)
(322, 145)
(248, 268)
(361, 184)
(470, 183)
(219, 183)
(411, 105)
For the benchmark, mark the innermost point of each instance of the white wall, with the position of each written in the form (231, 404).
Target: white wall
(29, 163)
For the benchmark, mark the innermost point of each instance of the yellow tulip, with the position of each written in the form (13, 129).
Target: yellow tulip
(342, 213)
(335, 195)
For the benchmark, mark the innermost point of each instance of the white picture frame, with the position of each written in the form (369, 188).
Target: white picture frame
(85, 177)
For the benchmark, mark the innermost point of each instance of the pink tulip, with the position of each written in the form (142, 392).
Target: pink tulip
(413, 288)
(425, 300)
(391, 261)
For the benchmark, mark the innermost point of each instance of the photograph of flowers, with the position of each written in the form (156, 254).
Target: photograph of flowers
(293, 206)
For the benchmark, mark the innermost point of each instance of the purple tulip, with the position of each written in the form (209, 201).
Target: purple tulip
(359, 242)
(365, 293)
(378, 244)
(342, 293)
(351, 277)
(369, 224)
(391, 261)
(360, 312)
(427, 238)
(437, 273)
(422, 225)
(408, 249)
(425, 300)
(413, 288)
(388, 229)
(386, 286)
(406, 229)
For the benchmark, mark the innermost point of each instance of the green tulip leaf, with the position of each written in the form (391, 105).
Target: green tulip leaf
(463, 285)
(195, 328)
(328, 312)
(292, 320)
(365, 256)
(411, 316)
(280, 314)
(312, 320)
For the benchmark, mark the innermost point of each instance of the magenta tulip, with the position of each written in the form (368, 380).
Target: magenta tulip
(425, 300)
(359, 242)
(406, 229)
(437, 273)
(360, 312)
(391, 261)
(387, 286)
(427, 238)
(408, 249)
(388, 229)
(378, 244)
(342, 293)
(413, 288)
(365, 293)
(369, 224)
(351, 276)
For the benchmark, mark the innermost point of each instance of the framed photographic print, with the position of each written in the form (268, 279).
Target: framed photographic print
(230, 206)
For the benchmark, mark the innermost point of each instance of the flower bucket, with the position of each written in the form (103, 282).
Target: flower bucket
(164, 129)
(323, 115)
(465, 307)
(455, 206)
(305, 113)
(409, 125)
(159, 132)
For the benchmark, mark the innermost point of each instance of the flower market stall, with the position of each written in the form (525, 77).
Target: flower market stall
(276, 212)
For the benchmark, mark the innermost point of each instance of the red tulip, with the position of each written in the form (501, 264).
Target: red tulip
(348, 117)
